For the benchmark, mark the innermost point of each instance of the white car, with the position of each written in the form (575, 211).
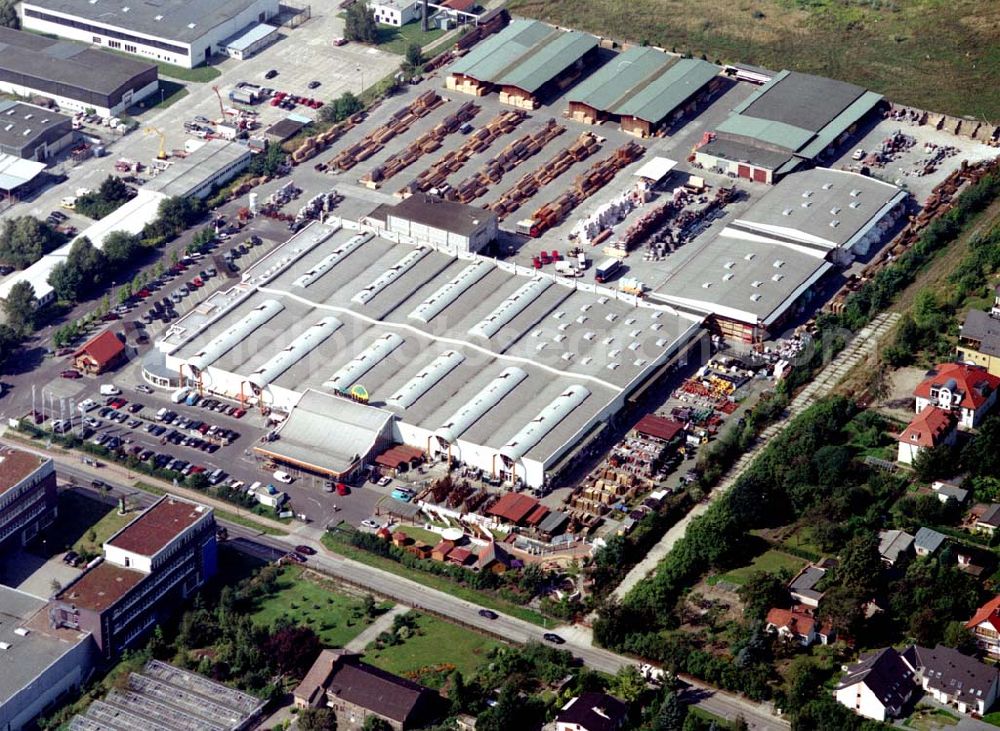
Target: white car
(369, 524)
(87, 405)
(859, 154)
(385, 481)
(283, 477)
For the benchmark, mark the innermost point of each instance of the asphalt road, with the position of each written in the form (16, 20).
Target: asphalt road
(418, 596)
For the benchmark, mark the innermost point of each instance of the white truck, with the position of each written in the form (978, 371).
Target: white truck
(180, 394)
(567, 269)
(110, 389)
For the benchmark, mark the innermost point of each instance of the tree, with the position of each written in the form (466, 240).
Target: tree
(19, 307)
(671, 713)
(628, 683)
(932, 463)
(8, 15)
(360, 24)
(981, 456)
(374, 723)
(317, 719)
(120, 247)
(414, 58)
(877, 381)
(860, 566)
(293, 650)
(762, 591)
(341, 108)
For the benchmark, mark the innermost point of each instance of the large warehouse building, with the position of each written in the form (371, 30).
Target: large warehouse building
(74, 76)
(527, 62)
(182, 32)
(498, 366)
(436, 221)
(762, 267)
(644, 90)
(33, 133)
(786, 124)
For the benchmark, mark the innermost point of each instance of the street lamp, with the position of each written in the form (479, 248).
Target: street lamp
(361, 71)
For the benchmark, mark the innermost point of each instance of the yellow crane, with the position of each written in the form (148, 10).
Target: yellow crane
(162, 152)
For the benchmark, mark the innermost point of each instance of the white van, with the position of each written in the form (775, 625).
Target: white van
(87, 405)
(180, 394)
(110, 389)
(283, 477)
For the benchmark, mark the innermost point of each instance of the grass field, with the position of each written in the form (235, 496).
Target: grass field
(396, 40)
(85, 523)
(940, 55)
(771, 561)
(336, 618)
(436, 642)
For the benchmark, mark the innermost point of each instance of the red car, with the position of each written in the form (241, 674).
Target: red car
(197, 282)
(117, 403)
(71, 374)
(197, 470)
(239, 413)
(143, 294)
(343, 489)
(306, 550)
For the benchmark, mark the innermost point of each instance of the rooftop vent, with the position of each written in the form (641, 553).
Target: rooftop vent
(834, 223)
(750, 256)
(778, 263)
(786, 212)
(777, 277)
(756, 283)
(806, 204)
(5, 645)
(855, 193)
(835, 210)
(158, 17)
(729, 264)
(755, 297)
(22, 631)
(191, 25)
(855, 204)
(827, 186)
(807, 194)
(706, 285)
(728, 276)
(558, 315)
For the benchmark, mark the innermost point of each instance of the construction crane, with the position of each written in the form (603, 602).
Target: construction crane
(162, 152)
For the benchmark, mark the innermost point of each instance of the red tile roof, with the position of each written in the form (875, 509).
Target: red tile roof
(659, 427)
(514, 507)
(461, 5)
(928, 428)
(973, 383)
(460, 555)
(796, 620)
(989, 612)
(160, 524)
(103, 348)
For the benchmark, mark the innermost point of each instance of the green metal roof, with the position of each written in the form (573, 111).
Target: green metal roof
(619, 79)
(669, 91)
(526, 54)
(773, 133)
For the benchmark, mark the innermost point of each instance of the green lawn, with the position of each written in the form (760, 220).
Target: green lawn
(933, 54)
(992, 718)
(435, 643)
(771, 561)
(434, 581)
(336, 618)
(397, 40)
(84, 523)
(199, 74)
(420, 534)
(802, 540)
(171, 93)
(929, 719)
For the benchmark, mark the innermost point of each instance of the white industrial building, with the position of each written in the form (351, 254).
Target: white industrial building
(40, 664)
(764, 264)
(368, 341)
(209, 165)
(182, 32)
(396, 13)
(446, 224)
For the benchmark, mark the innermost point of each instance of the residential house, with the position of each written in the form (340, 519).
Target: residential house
(149, 568)
(103, 352)
(799, 624)
(965, 390)
(928, 541)
(930, 428)
(950, 491)
(355, 690)
(989, 519)
(442, 549)
(955, 679)
(985, 628)
(592, 712)
(893, 545)
(979, 339)
(973, 561)
(878, 686)
(495, 558)
(803, 586)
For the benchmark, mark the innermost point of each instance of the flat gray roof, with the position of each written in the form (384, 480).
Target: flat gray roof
(21, 123)
(801, 100)
(74, 65)
(189, 173)
(27, 656)
(175, 20)
(561, 336)
(429, 210)
(743, 280)
(819, 208)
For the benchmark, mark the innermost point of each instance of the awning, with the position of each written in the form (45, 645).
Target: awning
(15, 172)
(656, 169)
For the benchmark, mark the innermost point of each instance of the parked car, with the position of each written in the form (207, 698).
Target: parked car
(143, 388)
(283, 477)
(297, 557)
(343, 489)
(313, 84)
(271, 73)
(553, 638)
(306, 550)
(488, 614)
(369, 523)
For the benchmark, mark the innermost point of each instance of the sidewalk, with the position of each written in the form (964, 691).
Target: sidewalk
(119, 473)
(833, 373)
(380, 625)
